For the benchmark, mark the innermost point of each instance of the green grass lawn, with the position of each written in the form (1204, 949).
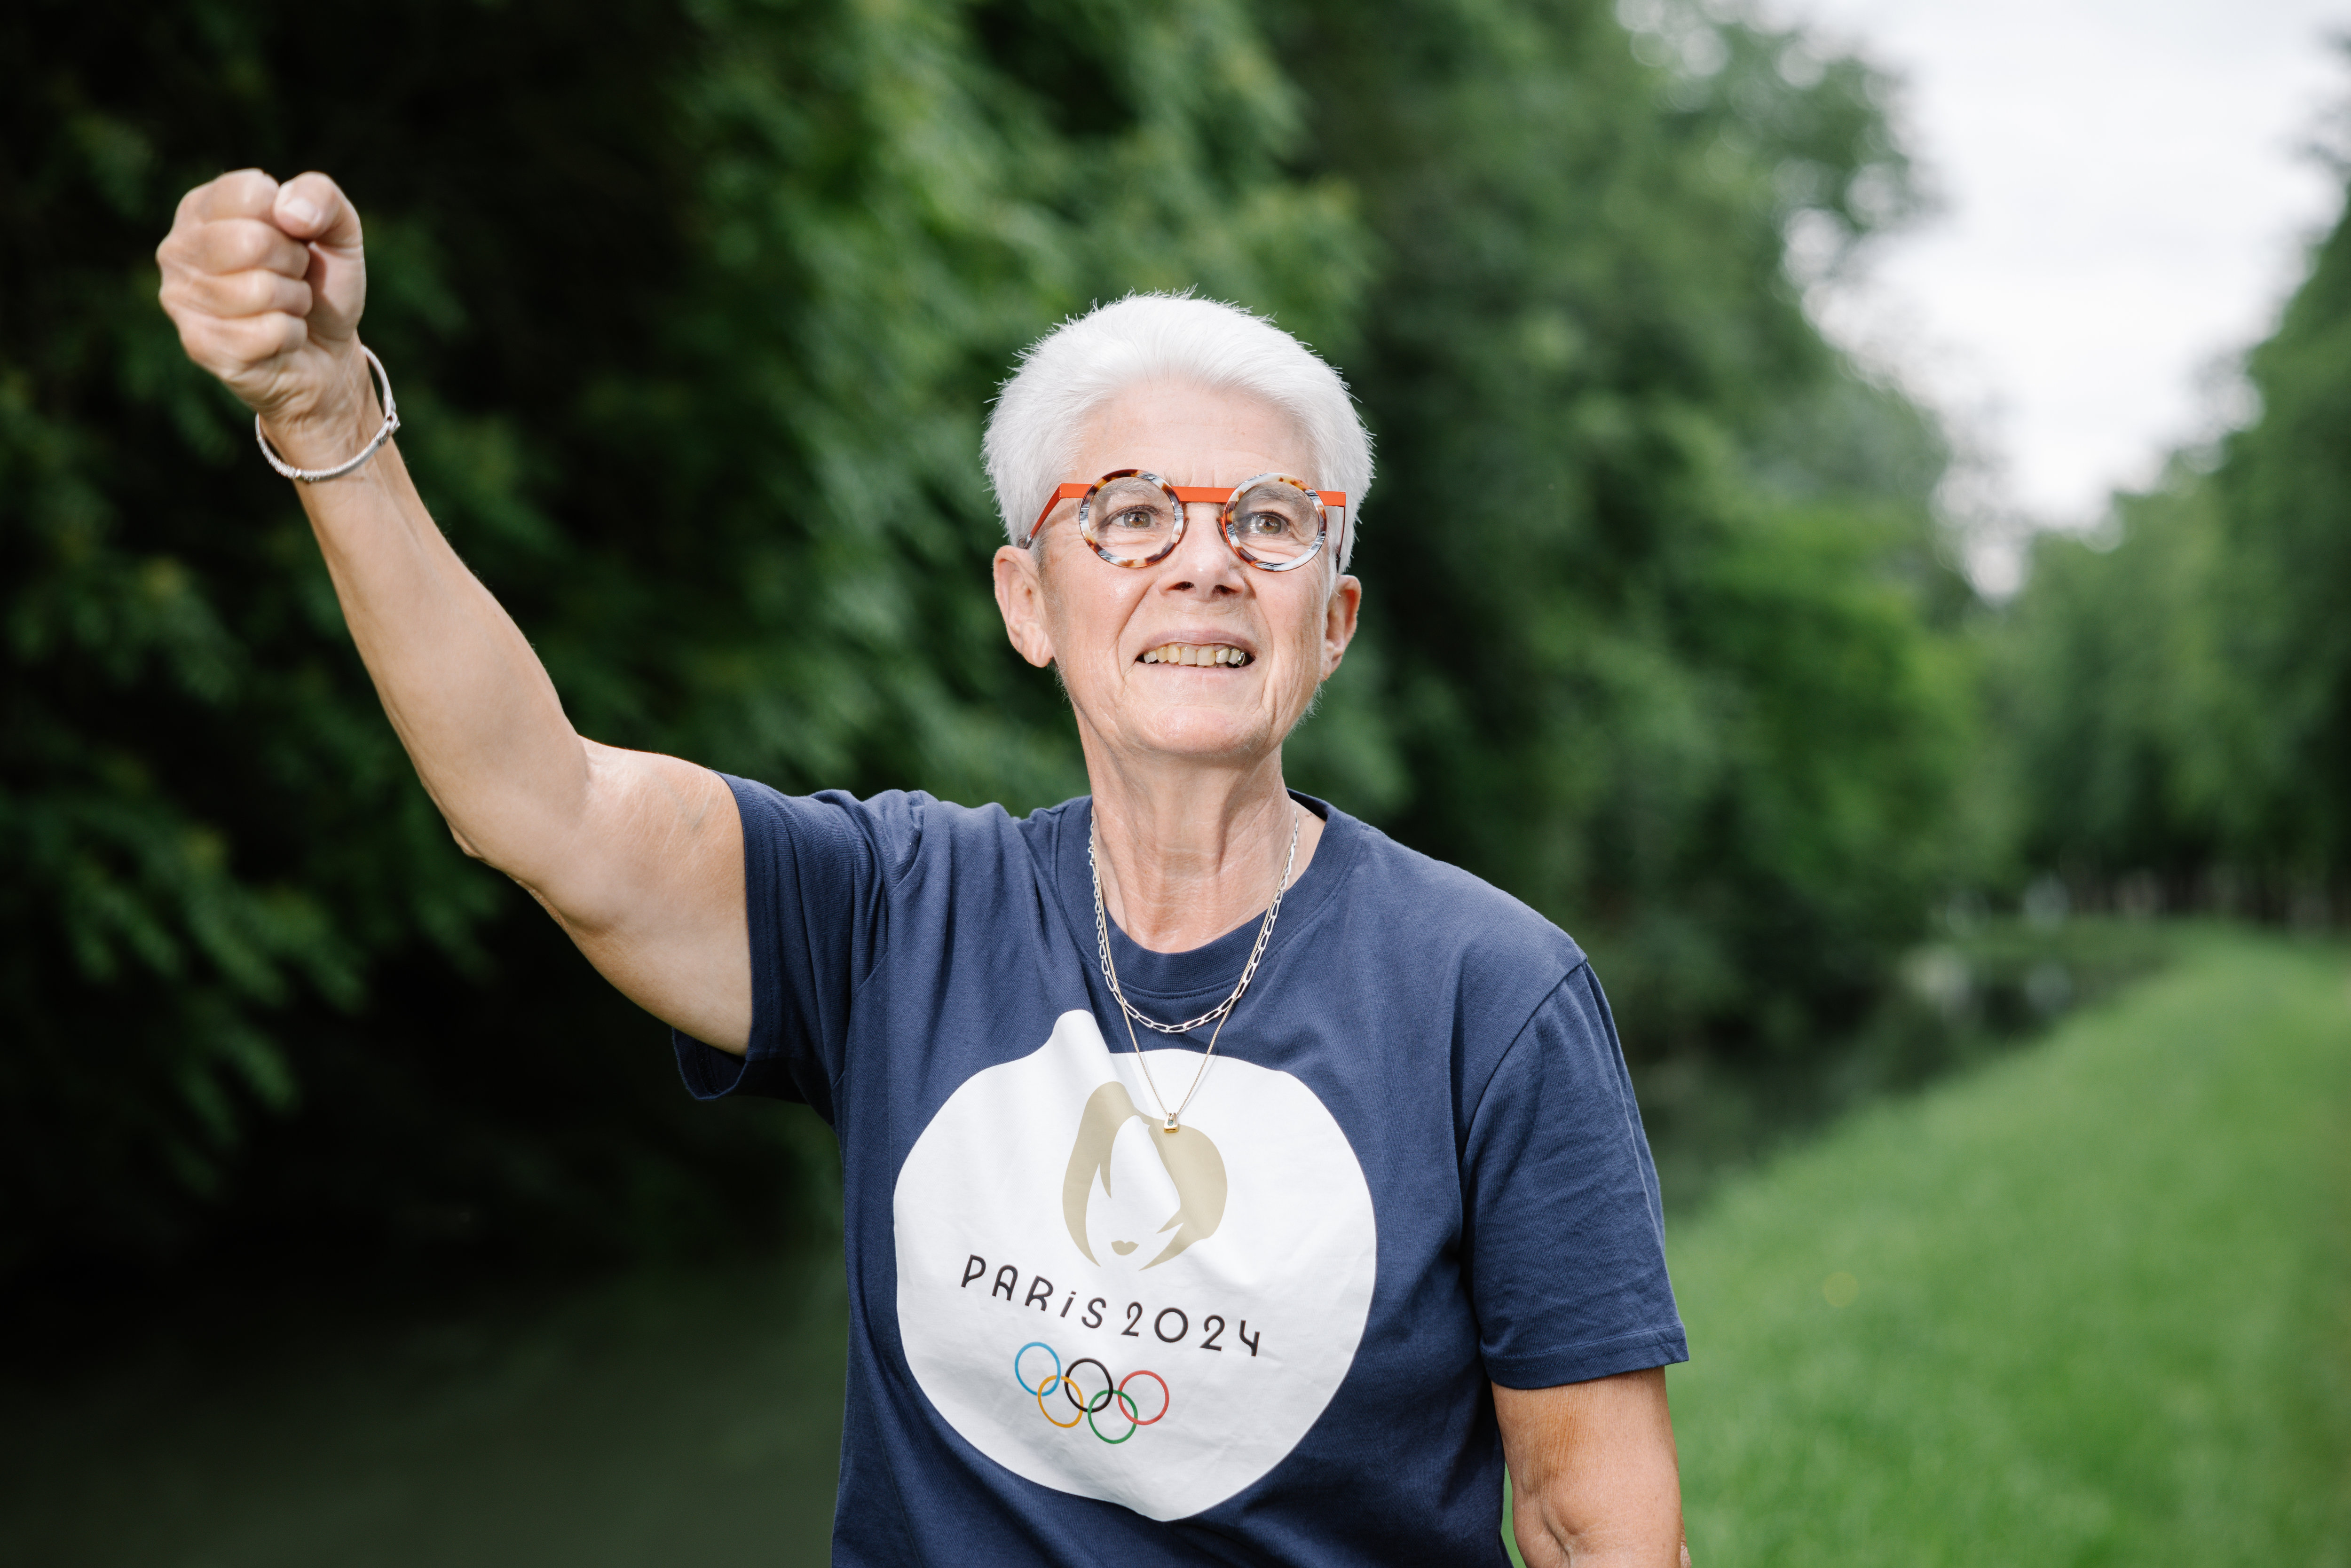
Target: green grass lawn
(2085, 1305)
(2095, 1312)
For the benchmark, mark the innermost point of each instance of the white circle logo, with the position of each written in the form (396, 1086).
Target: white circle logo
(1119, 1312)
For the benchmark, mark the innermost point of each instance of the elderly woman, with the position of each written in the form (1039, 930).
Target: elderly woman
(1223, 1182)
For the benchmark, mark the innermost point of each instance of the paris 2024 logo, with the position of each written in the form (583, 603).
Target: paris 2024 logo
(1119, 1312)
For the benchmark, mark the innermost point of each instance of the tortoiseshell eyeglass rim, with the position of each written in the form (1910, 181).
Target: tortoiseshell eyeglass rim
(1184, 494)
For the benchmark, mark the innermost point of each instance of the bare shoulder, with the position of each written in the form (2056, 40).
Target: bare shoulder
(662, 804)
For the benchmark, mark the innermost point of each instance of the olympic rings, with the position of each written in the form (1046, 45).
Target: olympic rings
(1133, 1425)
(1069, 1387)
(1089, 1405)
(1048, 1414)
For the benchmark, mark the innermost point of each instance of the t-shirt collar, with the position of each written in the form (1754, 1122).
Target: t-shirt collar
(1205, 973)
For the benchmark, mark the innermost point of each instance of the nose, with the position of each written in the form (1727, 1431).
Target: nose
(1203, 560)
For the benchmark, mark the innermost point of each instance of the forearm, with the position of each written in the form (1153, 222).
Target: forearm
(464, 692)
(1547, 1538)
(1594, 1473)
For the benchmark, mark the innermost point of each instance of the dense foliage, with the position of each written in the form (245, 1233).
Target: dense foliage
(694, 306)
(1653, 572)
(2179, 692)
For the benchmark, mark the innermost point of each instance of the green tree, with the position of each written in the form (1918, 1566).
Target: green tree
(1654, 574)
(694, 310)
(2112, 694)
(2284, 493)
(2180, 702)
(694, 306)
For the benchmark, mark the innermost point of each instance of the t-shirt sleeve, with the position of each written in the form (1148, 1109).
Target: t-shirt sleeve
(1565, 1233)
(817, 870)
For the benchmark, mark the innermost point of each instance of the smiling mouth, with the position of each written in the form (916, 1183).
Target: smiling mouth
(1203, 654)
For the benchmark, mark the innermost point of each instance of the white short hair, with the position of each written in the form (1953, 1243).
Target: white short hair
(1068, 373)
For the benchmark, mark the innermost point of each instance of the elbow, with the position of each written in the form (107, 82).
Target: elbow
(471, 849)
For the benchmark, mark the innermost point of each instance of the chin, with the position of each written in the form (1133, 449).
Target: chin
(1206, 735)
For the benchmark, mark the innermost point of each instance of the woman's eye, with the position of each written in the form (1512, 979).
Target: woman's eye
(1134, 517)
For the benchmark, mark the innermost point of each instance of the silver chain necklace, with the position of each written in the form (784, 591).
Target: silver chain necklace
(1218, 1014)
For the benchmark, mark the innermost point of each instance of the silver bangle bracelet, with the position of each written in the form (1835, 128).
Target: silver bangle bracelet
(313, 476)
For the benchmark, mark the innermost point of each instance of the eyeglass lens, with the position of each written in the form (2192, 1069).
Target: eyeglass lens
(1275, 521)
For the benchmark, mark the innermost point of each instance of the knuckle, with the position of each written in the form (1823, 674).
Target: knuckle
(252, 245)
(238, 191)
(206, 349)
(255, 339)
(233, 293)
(216, 248)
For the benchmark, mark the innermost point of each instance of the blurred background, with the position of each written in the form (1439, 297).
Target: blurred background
(1949, 770)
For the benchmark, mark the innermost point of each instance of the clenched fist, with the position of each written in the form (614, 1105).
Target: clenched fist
(266, 283)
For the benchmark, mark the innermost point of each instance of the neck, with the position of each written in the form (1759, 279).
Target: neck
(1187, 854)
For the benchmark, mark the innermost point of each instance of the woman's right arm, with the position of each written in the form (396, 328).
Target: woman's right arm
(639, 857)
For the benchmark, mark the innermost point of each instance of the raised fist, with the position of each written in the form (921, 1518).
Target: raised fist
(266, 283)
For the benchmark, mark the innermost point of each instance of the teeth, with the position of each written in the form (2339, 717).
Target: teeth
(1195, 653)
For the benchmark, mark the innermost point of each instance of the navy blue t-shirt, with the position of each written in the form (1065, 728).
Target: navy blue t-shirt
(1414, 1164)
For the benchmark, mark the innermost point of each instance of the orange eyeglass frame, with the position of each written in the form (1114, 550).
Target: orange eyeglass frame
(1213, 494)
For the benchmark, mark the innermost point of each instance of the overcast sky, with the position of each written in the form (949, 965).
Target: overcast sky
(2123, 205)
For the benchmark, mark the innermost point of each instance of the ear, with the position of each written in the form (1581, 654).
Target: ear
(1339, 622)
(1020, 600)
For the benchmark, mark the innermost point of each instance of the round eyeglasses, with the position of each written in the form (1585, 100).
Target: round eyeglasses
(1135, 519)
